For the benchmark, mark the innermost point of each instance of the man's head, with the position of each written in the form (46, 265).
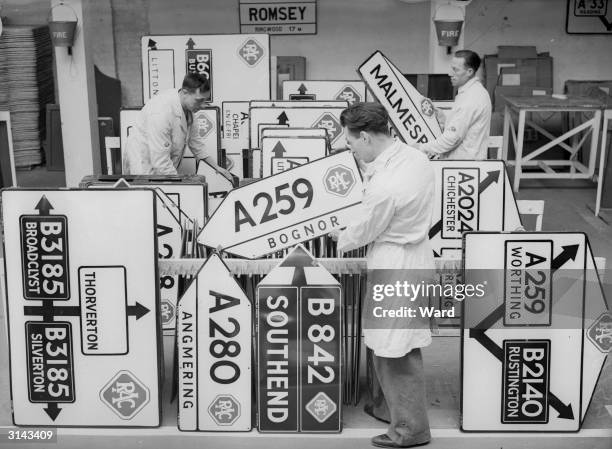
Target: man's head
(366, 126)
(194, 92)
(463, 67)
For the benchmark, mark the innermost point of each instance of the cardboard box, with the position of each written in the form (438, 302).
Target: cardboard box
(516, 51)
(516, 91)
(518, 76)
(542, 65)
(497, 124)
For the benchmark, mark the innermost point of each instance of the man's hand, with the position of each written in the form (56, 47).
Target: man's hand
(440, 116)
(225, 173)
(335, 234)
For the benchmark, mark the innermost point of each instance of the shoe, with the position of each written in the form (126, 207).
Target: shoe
(369, 410)
(383, 440)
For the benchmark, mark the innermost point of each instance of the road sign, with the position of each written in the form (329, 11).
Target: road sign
(278, 17)
(127, 119)
(214, 352)
(470, 196)
(299, 322)
(218, 185)
(523, 339)
(350, 91)
(235, 136)
(280, 154)
(412, 114)
(82, 301)
(208, 126)
(589, 17)
(166, 60)
(285, 209)
(327, 117)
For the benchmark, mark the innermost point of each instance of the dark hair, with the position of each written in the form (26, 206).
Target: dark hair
(369, 117)
(470, 58)
(194, 81)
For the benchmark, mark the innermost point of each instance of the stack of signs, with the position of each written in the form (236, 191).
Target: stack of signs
(310, 114)
(214, 352)
(235, 136)
(412, 114)
(218, 185)
(284, 153)
(350, 91)
(82, 309)
(166, 60)
(470, 196)
(283, 210)
(299, 330)
(541, 311)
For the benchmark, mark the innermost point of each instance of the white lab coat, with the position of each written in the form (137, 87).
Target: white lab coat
(157, 141)
(398, 205)
(467, 125)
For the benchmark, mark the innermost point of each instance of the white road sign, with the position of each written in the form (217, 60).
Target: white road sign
(82, 296)
(214, 352)
(522, 345)
(350, 91)
(218, 185)
(470, 196)
(127, 119)
(284, 153)
(276, 17)
(235, 135)
(288, 208)
(166, 60)
(412, 114)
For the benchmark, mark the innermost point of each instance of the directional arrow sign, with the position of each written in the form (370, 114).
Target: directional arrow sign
(285, 209)
(214, 352)
(412, 114)
(351, 91)
(299, 324)
(82, 306)
(522, 359)
(280, 154)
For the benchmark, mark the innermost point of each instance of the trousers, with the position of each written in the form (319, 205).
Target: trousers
(398, 397)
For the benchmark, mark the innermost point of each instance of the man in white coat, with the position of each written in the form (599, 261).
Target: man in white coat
(164, 127)
(467, 125)
(398, 204)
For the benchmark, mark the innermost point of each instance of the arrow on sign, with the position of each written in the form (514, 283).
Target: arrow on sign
(569, 253)
(137, 310)
(298, 259)
(190, 44)
(282, 118)
(52, 409)
(279, 149)
(302, 89)
(481, 337)
(607, 24)
(435, 229)
(492, 176)
(43, 206)
(152, 44)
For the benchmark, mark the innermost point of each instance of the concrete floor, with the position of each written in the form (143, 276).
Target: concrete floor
(566, 209)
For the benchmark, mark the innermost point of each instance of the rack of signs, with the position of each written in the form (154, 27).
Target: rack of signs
(285, 209)
(349, 91)
(542, 310)
(82, 307)
(299, 323)
(166, 59)
(411, 114)
(214, 352)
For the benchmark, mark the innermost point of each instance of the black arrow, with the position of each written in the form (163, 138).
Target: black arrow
(282, 118)
(607, 24)
(137, 310)
(569, 252)
(43, 206)
(279, 149)
(152, 44)
(302, 89)
(435, 229)
(492, 176)
(52, 409)
(491, 319)
(482, 338)
(298, 259)
(190, 44)
(565, 411)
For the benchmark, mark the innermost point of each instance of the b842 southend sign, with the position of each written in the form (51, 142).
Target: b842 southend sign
(286, 209)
